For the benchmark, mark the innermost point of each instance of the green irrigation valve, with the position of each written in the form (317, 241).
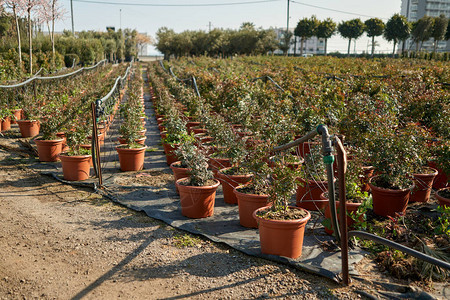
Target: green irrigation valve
(328, 159)
(317, 128)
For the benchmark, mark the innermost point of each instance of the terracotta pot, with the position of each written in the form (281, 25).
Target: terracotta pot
(387, 202)
(86, 146)
(49, 150)
(229, 182)
(6, 124)
(178, 172)
(248, 203)
(219, 163)
(441, 180)
(443, 201)
(422, 186)
(367, 173)
(28, 128)
(189, 126)
(170, 155)
(75, 168)
(17, 115)
(281, 237)
(62, 135)
(198, 130)
(140, 141)
(308, 194)
(350, 207)
(131, 159)
(197, 201)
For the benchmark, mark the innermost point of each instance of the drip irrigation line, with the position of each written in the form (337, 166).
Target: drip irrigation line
(192, 79)
(265, 78)
(35, 77)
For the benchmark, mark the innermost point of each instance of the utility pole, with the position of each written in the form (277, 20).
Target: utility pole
(71, 13)
(209, 26)
(287, 23)
(120, 19)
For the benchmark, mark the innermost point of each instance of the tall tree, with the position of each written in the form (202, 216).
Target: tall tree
(397, 29)
(306, 28)
(351, 29)
(142, 40)
(165, 38)
(29, 6)
(447, 34)
(421, 30)
(50, 12)
(285, 42)
(14, 5)
(374, 27)
(325, 30)
(439, 29)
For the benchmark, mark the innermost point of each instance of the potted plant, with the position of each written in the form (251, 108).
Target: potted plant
(443, 197)
(282, 227)
(253, 195)
(313, 181)
(76, 162)
(198, 191)
(49, 145)
(29, 124)
(392, 155)
(5, 119)
(175, 134)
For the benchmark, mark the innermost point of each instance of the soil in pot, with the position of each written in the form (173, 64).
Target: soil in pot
(230, 178)
(388, 202)
(423, 183)
(280, 236)
(248, 202)
(197, 201)
(49, 150)
(75, 168)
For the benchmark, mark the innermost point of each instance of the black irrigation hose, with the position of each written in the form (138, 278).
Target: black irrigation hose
(407, 250)
(265, 78)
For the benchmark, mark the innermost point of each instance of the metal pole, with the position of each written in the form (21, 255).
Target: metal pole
(287, 22)
(120, 17)
(71, 13)
(342, 166)
(96, 144)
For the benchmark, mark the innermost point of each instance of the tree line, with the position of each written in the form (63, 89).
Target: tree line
(250, 40)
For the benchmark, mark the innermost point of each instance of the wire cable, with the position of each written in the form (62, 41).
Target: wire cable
(176, 5)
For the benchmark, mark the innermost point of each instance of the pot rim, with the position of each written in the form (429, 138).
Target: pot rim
(216, 185)
(389, 190)
(303, 220)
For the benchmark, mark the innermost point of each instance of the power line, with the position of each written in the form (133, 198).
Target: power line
(335, 10)
(175, 5)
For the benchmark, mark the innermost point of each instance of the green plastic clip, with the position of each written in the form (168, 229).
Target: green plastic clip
(328, 160)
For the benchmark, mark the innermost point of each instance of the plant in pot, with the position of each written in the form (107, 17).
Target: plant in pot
(198, 191)
(440, 152)
(175, 134)
(49, 145)
(76, 162)
(253, 195)
(313, 180)
(357, 201)
(29, 125)
(282, 227)
(5, 118)
(392, 156)
(131, 154)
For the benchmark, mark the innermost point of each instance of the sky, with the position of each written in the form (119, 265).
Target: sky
(148, 15)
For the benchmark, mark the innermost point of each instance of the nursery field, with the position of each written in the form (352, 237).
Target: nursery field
(195, 143)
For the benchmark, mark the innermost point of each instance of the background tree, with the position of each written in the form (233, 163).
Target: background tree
(447, 34)
(285, 42)
(374, 27)
(397, 29)
(29, 6)
(142, 40)
(50, 12)
(325, 30)
(351, 29)
(164, 44)
(306, 28)
(14, 5)
(421, 30)
(439, 29)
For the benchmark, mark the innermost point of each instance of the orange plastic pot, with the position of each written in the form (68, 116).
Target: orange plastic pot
(248, 203)
(49, 150)
(75, 168)
(178, 172)
(131, 159)
(350, 207)
(308, 194)
(281, 237)
(442, 200)
(387, 202)
(170, 155)
(219, 163)
(17, 113)
(140, 141)
(28, 128)
(422, 186)
(197, 201)
(441, 180)
(229, 182)
(6, 124)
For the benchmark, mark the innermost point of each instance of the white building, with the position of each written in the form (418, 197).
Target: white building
(413, 10)
(311, 46)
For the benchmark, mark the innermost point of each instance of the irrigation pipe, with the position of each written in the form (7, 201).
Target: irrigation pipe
(35, 77)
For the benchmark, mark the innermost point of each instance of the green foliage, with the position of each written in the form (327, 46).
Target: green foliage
(443, 222)
(397, 29)
(421, 30)
(439, 29)
(374, 27)
(197, 163)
